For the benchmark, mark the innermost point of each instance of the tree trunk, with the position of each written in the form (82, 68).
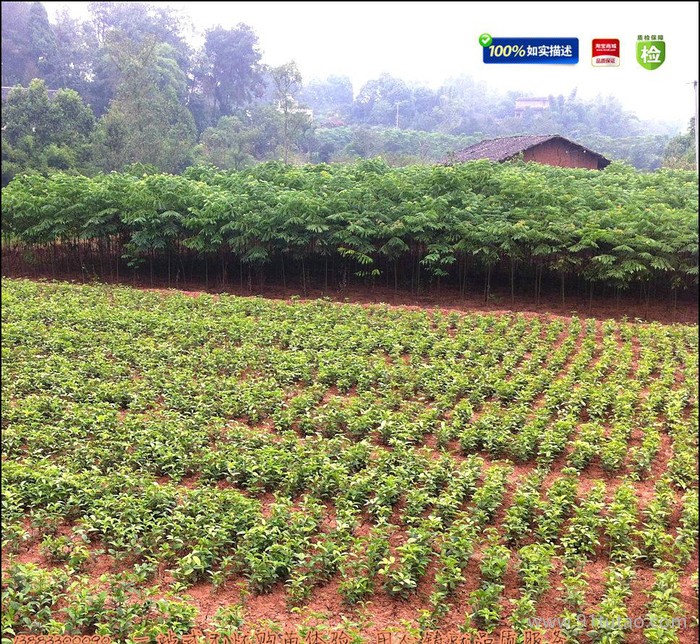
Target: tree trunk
(536, 276)
(418, 274)
(184, 275)
(487, 284)
(465, 275)
(286, 134)
(303, 276)
(563, 303)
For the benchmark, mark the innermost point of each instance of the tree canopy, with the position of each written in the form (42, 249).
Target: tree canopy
(176, 84)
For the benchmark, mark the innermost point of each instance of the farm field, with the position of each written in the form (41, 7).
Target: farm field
(242, 464)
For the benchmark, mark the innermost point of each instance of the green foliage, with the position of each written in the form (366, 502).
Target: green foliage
(403, 122)
(235, 70)
(610, 622)
(535, 567)
(228, 145)
(664, 609)
(397, 147)
(229, 619)
(245, 446)
(146, 121)
(28, 596)
(621, 522)
(617, 227)
(42, 135)
(680, 151)
(29, 47)
(486, 609)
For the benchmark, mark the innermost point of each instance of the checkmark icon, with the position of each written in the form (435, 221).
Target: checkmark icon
(485, 40)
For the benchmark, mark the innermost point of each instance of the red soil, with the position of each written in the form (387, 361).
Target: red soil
(381, 611)
(445, 300)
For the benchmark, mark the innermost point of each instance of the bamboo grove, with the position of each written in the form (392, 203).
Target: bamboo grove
(521, 226)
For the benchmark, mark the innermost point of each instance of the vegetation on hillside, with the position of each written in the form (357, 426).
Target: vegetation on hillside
(146, 95)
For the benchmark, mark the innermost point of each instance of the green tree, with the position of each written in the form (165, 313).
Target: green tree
(330, 97)
(267, 125)
(26, 113)
(287, 80)
(680, 151)
(377, 100)
(201, 92)
(39, 134)
(229, 145)
(77, 52)
(146, 122)
(234, 69)
(28, 44)
(140, 23)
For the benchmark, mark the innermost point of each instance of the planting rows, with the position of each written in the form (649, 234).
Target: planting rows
(173, 461)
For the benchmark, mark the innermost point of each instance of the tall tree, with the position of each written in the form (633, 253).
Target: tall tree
(140, 23)
(287, 79)
(26, 113)
(78, 49)
(141, 20)
(332, 96)
(146, 122)
(266, 122)
(229, 145)
(234, 71)
(28, 44)
(201, 94)
(680, 152)
(378, 99)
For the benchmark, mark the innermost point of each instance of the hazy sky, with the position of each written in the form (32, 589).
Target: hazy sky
(430, 42)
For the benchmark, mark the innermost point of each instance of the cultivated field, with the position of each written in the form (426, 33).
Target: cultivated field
(228, 463)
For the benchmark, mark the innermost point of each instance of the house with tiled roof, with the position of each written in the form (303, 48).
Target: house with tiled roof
(550, 149)
(535, 104)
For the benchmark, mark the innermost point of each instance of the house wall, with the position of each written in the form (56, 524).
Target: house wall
(561, 154)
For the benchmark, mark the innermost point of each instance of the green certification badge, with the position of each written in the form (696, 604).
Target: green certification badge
(651, 51)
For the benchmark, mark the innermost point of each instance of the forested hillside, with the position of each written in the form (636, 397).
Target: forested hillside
(133, 88)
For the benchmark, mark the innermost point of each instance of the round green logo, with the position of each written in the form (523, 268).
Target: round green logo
(485, 40)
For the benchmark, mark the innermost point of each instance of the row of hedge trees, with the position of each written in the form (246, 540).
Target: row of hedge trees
(418, 225)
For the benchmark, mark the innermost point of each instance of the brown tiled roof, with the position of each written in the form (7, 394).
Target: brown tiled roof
(508, 147)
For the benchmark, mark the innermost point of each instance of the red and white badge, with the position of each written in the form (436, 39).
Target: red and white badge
(606, 52)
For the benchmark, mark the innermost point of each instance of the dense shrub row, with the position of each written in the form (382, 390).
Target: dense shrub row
(520, 222)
